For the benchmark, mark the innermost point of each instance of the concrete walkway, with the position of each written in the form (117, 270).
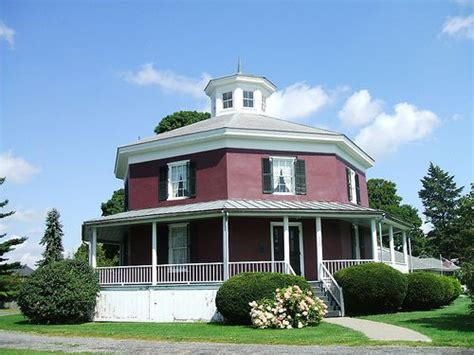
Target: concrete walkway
(379, 331)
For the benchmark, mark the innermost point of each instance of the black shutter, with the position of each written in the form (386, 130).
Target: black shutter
(349, 183)
(357, 188)
(163, 187)
(267, 176)
(191, 179)
(300, 177)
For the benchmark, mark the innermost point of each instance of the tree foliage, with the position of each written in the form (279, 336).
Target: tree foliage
(104, 257)
(383, 196)
(115, 204)
(8, 281)
(465, 226)
(52, 239)
(440, 196)
(180, 119)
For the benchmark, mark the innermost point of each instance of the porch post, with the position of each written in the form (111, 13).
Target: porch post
(93, 247)
(373, 231)
(392, 244)
(405, 247)
(319, 248)
(409, 255)
(286, 242)
(153, 253)
(225, 244)
(381, 241)
(357, 240)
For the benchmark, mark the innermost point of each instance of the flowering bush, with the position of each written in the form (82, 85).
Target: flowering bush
(291, 308)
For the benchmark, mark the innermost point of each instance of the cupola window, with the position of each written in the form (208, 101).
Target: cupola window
(227, 99)
(248, 98)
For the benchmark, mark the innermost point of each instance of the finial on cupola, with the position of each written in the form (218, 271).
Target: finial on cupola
(239, 66)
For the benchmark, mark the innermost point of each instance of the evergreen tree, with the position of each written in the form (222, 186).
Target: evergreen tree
(8, 281)
(52, 239)
(440, 196)
(465, 226)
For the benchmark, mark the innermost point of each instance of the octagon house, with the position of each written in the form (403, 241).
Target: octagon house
(239, 192)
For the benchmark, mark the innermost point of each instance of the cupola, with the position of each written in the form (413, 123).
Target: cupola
(239, 93)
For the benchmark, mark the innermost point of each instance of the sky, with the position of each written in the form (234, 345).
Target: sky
(79, 78)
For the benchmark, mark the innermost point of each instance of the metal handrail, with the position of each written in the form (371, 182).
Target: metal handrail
(333, 287)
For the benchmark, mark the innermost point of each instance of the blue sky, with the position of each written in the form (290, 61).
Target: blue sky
(79, 78)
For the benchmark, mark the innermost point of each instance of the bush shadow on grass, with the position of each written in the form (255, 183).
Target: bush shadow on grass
(454, 322)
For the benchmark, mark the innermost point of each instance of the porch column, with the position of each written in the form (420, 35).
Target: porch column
(319, 248)
(373, 231)
(409, 255)
(381, 241)
(357, 241)
(405, 247)
(93, 248)
(225, 244)
(153, 253)
(392, 244)
(286, 242)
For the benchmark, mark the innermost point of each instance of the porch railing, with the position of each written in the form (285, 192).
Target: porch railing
(330, 284)
(131, 275)
(334, 266)
(184, 273)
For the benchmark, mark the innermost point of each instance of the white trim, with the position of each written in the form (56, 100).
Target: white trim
(301, 240)
(142, 151)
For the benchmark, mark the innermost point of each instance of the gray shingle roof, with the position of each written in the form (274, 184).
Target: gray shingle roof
(235, 205)
(237, 120)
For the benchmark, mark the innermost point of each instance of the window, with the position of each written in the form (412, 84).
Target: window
(227, 99)
(177, 180)
(264, 103)
(353, 186)
(283, 175)
(178, 244)
(248, 98)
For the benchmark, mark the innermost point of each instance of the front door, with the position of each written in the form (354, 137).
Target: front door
(295, 246)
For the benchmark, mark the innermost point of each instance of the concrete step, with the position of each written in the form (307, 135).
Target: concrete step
(318, 291)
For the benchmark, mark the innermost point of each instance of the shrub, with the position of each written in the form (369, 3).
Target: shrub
(234, 296)
(60, 292)
(457, 288)
(291, 307)
(425, 291)
(372, 288)
(447, 288)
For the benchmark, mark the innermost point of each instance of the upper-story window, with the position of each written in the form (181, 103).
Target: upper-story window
(353, 186)
(177, 180)
(248, 98)
(227, 99)
(178, 244)
(264, 103)
(284, 175)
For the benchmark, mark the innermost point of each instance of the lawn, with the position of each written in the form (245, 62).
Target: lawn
(448, 326)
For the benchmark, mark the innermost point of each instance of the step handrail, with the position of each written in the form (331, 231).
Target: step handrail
(333, 287)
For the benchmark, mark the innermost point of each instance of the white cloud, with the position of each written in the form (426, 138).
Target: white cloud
(459, 26)
(168, 80)
(7, 33)
(387, 132)
(16, 169)
(297, 101)
(27, 253)
(360, 109)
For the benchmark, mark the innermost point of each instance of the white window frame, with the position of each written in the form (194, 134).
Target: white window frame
(171, 227)
(226, 101)
(248, 100)
(352, 186)
(293, 160)
(170, 182)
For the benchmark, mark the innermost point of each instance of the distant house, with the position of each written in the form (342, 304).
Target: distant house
(24, 271)
(239, 192)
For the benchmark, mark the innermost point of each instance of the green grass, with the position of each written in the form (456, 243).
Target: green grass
(323, 334)
(7, 351)
(448, 326)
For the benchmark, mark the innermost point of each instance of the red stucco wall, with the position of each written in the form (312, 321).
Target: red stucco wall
(236, 174)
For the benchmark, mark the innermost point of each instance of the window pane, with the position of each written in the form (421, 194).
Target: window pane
(283, 175)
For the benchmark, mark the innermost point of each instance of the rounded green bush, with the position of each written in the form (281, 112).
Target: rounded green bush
(447, 290)
(456, 287)
(60, 292)
(425, 291)
(372, 288)
(234, 296)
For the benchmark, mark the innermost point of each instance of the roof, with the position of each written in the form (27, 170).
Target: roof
(236, 206)
(24, 271)
(247, 121)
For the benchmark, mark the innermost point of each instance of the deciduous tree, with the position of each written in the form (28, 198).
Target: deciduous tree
(180, 119)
